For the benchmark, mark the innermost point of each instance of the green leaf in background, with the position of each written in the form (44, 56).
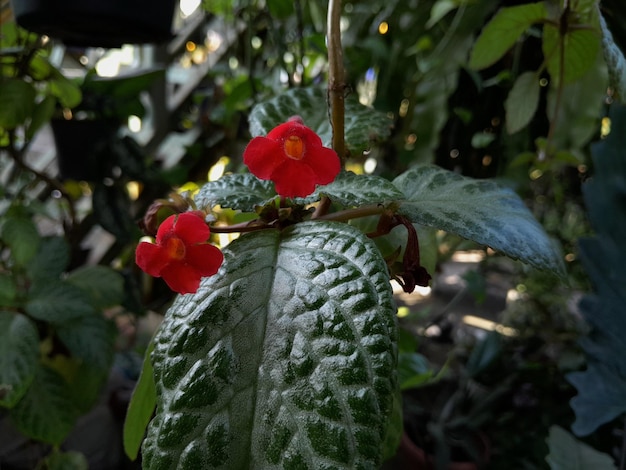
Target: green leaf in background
(568, 453)
(140, 408)
(21, 235)
(65, 90)
(363, 125)
(66, 461)
(235, 191)
(90, 339)
(350, 190)
(8, 290)
(522, 101)
(42, 113)
(503, 31)
(581, 49)
(17, 101)
(51, 259)
(478, 210)
(615, 61)
(285, 359)
(19, 356)
(104, 285)
(58, 302)
(46, 412)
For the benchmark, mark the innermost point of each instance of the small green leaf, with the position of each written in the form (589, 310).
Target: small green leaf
(86, 386)
(440, 9)
(111, 208)
(568, 453)
(19, 354)
(20, 234)
(140, 408)
(478, 210)
(581, 47)
(501, 33)
(66, 461)
(363, 125)
(104, 285)
(235, 191)
(46, 412)
(58, 302)
(284, 359)
(522, 102)
(90, 339)
(350, 190)
(51, 259)
(17, 101)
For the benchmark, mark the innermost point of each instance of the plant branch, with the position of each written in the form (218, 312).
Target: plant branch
(336, 79)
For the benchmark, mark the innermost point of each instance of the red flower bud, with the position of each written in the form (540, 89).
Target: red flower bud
(181, 255)
(292, 156)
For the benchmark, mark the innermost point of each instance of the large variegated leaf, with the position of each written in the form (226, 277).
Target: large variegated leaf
(478, 210)
(239, 191)
(284, 359)
(363, 125)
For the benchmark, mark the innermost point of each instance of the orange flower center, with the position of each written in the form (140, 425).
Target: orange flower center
(294, 147)
(175, 248)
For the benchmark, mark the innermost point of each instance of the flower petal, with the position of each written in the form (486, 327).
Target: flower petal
(181, 278)
(294, 179)
(165, 229)
(151, 258)
(191, 229)
(205, 258)
(262, 156)
(324, 163)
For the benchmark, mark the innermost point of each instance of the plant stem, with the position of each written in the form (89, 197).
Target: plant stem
(336, 78)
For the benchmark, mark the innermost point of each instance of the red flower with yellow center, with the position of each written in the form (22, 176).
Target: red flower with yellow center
(181, 255)
(292, 156)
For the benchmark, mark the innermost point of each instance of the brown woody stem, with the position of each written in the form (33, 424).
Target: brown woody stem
(336, 78)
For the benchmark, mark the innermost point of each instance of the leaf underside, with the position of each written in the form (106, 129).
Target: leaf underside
(284, 359)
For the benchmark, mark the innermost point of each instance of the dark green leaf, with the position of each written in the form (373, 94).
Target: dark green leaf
(66, 91)
(239, 191)
(19, 356)
(90, 339)
(522, 101)
(363, 125)
(104, 285)
(350, 189)
(86, 386)
(8, 289)
(501, 33)
(413, 370)
(141, 407)
(58, 302)
(478, 210)
(285, 358)
(111, 208)
(17, 101)
(45, 413)
(20, 234)
(51, 259)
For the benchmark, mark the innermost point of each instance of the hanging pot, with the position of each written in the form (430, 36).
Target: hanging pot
(98, 23)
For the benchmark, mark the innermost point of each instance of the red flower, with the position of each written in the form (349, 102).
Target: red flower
(181, 255)
(292, 156)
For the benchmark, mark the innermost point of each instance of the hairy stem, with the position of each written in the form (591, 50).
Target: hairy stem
(336, 78)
